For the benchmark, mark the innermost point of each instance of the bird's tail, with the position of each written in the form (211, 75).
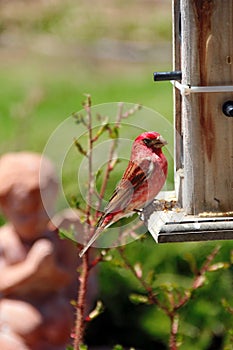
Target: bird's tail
(98, 231)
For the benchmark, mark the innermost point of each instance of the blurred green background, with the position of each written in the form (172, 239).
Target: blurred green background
(51, 53)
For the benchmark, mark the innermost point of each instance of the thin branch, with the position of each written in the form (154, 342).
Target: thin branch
(81, 302)
(123, 235)
(198, 280)
(88, 230)
(90, 170)
(148, 289)
(174, 320)
(197, 283)
(171, 310)
(209, 260)
(131, 111)
(109, 167)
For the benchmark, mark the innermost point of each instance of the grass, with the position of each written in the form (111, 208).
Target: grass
(53, 53)
(39, 95)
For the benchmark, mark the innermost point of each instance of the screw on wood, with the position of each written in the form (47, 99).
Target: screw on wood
(227, 108)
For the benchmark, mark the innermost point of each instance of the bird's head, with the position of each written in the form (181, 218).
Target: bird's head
(151, 140)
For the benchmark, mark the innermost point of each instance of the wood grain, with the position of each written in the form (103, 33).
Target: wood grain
(207, 59)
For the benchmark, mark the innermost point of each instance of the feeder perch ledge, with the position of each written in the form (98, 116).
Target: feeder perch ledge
(167, 223)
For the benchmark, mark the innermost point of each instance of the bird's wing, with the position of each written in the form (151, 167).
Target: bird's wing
(133, 177)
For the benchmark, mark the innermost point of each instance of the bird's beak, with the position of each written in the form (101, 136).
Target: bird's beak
(159, 142)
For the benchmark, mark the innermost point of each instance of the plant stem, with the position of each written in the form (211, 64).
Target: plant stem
(151, 296)
(88, 230)
(172, 309)
(174, 320)
(111, 153)
(90, 171)
(80, 307)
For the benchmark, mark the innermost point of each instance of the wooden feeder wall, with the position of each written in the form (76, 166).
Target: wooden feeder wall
(203, 52)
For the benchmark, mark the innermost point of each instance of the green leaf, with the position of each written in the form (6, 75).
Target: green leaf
(79, 119)
(118, 347)
(83, 347)
(75, 202)
(151, 277)
(101, 130)
(80, 147)
(114, 133)
(97, 311)
(107, 257)
(218, 266)
(64, 234)
(138, 299)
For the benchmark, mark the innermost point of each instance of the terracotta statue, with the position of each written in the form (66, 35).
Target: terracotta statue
(37, 268)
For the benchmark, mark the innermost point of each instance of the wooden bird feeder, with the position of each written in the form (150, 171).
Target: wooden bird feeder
(203, 122)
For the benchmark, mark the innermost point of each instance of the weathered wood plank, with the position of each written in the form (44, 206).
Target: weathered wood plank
(207, 59)
(178, 228)
(176, 45)
(195, 236)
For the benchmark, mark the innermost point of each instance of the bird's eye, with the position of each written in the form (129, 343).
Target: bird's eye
(147, 141)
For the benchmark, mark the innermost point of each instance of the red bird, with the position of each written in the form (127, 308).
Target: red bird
(142, 180)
